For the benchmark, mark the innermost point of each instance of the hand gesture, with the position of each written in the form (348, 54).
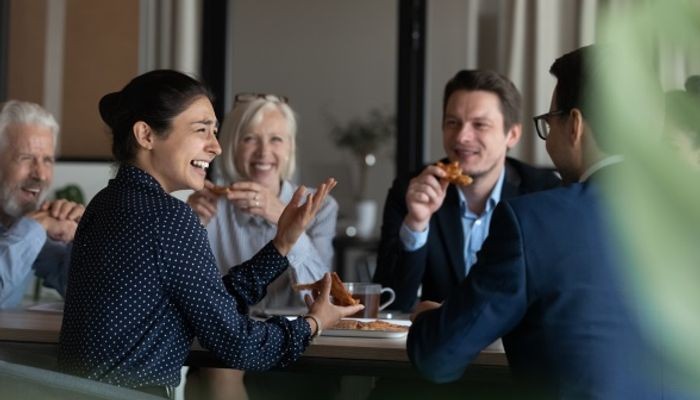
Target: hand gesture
(328, 313)
(57, 229)
(296, 216)
(203, 203)
(425, 195)
(63, 210)
(256, 199)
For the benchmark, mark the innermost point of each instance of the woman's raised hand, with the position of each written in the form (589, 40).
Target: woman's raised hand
(203, 202)
(296, 216)
(256, 199)
(321, 307)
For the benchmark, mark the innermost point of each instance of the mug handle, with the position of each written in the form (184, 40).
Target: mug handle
(392, 296)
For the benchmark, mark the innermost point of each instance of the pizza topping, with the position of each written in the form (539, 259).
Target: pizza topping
(219, 190)
(454, 173)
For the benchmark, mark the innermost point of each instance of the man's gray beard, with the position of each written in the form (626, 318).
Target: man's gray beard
(13, 209)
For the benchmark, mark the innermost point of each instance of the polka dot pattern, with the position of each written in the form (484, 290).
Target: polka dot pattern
(143, 284)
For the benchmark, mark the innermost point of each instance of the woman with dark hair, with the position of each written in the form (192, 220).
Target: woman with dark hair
(143, 280)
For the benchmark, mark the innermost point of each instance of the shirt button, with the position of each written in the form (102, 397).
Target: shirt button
(477, 222)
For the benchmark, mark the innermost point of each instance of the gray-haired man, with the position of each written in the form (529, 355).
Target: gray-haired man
(34, 234)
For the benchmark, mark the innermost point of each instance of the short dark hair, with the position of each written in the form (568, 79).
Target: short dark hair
(155, 98)
(579, 83)
(573, 79)
(489, 81)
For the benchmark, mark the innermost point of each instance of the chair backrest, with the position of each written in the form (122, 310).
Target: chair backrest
(24, 382)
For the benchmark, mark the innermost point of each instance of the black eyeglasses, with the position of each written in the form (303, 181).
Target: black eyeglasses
(245, 97)
(542, 123)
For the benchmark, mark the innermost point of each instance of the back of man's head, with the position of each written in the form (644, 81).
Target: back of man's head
(571, 78)
(578, 76)
(583, 77)
(15, 112)
(488, 81)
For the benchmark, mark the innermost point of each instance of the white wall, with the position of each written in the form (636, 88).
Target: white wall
(91, 177)
(446, 53)
(459, 35)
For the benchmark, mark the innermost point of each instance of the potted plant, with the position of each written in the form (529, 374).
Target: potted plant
(364, 138)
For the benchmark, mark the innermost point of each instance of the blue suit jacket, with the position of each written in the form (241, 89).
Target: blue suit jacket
(548, 282)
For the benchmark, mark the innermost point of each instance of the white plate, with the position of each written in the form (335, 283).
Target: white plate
(367, 333)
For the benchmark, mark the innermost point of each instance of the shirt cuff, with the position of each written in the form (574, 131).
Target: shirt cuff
(297, 255)
(411, 240)
(29, 230)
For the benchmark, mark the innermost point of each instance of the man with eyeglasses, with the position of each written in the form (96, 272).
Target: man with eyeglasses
(432, 231)
(548, 279)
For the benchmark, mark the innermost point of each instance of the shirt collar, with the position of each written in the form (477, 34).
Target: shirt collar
(595, 167)
(491, 202)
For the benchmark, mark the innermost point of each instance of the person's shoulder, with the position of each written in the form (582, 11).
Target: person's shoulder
(527, 170)
(25, 226)
(177, 208)
(530, 178)
(30, 230)
(167, 213)
(560, 197)
(179, 225)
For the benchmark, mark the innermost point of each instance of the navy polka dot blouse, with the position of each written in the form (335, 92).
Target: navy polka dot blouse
(143, 283)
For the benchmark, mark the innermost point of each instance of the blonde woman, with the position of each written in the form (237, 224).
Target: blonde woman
(255, 167)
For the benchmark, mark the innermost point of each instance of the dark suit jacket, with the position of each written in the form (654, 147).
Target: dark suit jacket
(439, 265)
(548, 281)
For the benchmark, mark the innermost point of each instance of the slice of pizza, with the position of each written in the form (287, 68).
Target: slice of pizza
(454, 173)
(338, 291)
(219, 190)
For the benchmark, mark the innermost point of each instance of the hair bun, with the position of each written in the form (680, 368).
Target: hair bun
(110, 108)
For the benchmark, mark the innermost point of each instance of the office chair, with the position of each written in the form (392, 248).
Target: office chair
(20, 382)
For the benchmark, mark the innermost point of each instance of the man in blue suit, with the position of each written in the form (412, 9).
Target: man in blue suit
(548, 279)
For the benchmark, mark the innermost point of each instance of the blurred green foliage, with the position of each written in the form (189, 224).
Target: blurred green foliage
(366, 135)
(655, 202)
(71, 192)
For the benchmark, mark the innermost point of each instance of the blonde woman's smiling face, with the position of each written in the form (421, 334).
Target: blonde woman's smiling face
(263, 149)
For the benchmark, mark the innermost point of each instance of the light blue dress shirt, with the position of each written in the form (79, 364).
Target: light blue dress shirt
(24, 249)
(475, 227)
